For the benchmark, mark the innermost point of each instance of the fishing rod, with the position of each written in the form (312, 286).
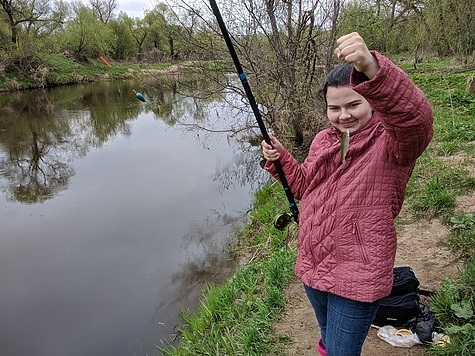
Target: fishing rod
(282, 220)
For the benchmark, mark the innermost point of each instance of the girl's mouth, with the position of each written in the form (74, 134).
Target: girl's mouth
(348, 124)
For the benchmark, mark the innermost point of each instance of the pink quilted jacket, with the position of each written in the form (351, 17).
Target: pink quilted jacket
(347, 237)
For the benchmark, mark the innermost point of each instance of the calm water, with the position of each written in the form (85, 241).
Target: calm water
(112, 215)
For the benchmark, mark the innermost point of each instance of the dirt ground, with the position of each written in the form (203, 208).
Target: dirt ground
(420, 245)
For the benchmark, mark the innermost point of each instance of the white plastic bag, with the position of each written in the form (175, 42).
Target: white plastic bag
(398, 338)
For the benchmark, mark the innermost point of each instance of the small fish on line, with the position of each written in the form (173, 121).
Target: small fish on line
(345, 143)
(139, 95)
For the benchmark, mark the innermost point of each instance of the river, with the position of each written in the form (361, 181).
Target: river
(114, 213)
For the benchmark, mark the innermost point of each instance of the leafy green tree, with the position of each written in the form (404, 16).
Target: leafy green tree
(151, 33)
(170, 30)
(362, 17)
(5, 36)
(386, 25)
(156, 24)
(123, 46)
(175, 46)
(139, 30)
(188, 31)
(86, 36)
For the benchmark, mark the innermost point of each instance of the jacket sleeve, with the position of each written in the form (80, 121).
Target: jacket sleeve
(404, 110)
(291, 169)
(300, 176)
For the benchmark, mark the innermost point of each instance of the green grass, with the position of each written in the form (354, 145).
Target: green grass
(435, 184)
(235, 318)
(63, 70)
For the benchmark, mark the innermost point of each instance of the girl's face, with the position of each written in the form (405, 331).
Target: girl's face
(346, 109)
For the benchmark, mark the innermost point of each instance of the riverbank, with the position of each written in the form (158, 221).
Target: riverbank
(61, 69)
(235, 318)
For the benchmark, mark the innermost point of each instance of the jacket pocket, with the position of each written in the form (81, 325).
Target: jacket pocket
(357, 234)
(365, 235)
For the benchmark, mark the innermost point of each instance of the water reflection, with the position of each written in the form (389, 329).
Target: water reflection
(114, 216)
(43, 131)
(32, 156)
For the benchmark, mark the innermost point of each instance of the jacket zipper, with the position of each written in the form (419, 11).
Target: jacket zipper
(360, 242)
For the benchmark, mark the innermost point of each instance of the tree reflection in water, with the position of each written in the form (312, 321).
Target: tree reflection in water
(44, 131)
(35, 149)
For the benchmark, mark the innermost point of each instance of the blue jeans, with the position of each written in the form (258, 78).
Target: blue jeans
(344, 323)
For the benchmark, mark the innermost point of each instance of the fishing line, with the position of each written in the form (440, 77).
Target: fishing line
(281, 220)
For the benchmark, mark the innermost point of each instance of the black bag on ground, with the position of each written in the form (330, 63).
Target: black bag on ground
(423, 325)
(403, 303)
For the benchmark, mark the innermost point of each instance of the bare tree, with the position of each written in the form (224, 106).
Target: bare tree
(285, 48)
(302, 36)
(104, 9)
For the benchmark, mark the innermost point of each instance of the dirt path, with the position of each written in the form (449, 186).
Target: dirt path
(419, 246)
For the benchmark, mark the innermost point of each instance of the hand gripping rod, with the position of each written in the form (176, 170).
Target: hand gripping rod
(242, 76)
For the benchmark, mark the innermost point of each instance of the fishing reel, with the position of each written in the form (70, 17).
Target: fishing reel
(281, 221)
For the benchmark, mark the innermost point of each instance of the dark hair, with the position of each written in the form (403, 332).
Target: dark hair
(338, 77)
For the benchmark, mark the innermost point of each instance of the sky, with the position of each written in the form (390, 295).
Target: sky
(136, 8)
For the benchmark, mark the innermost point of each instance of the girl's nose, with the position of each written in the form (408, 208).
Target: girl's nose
(344, 114)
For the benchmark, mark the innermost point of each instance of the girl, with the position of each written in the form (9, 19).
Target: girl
(351, 188)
